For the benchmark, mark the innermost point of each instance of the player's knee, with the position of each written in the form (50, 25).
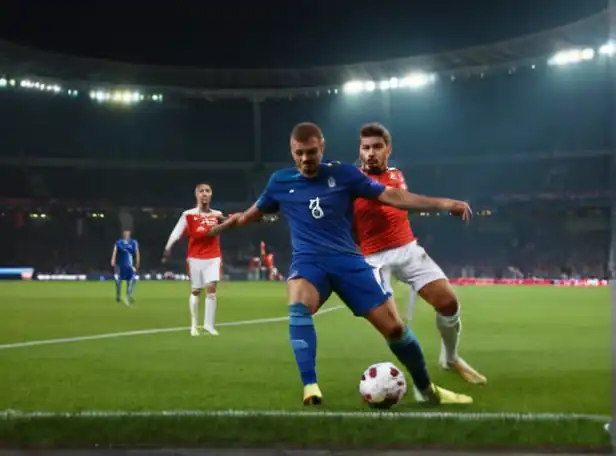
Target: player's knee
(450, 309)
(397, 331)
(394, 329)
(196, 292)
(211, 289)
(449, 314)
(401, 334)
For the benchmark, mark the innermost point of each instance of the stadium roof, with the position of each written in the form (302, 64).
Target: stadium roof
(30, 62)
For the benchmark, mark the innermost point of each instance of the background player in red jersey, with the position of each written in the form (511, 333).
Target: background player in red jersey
(204, 258)
(387, 241)
(269, 268)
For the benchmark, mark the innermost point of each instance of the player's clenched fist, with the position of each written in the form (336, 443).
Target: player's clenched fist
(461, 209)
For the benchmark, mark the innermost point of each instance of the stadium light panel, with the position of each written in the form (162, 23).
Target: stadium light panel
(353, 87)
(417, 80)
(608, 49)
(3, 82)
(571, 56)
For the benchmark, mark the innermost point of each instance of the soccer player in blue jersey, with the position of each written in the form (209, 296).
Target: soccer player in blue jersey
(316, 198)
(125, 261)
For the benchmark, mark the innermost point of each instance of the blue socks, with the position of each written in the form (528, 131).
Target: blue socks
(118, 284)
(130, 288)
(408, 351)
(303, 341)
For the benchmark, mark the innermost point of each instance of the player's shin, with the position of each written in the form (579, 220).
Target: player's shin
(210, 312)
(130, 288)
(303, 341)
(193, 304)
(449, 327)
(408, 351)
(118, 286)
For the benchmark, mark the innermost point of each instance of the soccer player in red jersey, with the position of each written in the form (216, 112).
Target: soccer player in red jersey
(203, 258)
(387, 241)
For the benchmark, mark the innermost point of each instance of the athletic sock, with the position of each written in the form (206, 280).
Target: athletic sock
(118, 285)
(210, 309)
(130, 288)
(193, 304)
(408, 351)
(449, 327)
(303, 341)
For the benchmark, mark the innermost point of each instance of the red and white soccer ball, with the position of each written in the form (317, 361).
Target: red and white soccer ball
(382, 385)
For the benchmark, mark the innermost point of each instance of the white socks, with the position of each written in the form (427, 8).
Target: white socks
(193, 304)
(450, 328)
(210, 310)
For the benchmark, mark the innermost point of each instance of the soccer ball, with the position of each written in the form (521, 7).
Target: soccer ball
(382, 385)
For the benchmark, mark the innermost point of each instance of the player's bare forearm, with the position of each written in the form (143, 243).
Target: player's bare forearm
(230, 222)
(251, 215)
(402, 199)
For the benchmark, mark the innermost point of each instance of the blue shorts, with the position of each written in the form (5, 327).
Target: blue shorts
(125, 272)
(359, 285)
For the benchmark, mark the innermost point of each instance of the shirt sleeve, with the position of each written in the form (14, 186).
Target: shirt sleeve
(177, 232)
(361, 185)
(267, 203)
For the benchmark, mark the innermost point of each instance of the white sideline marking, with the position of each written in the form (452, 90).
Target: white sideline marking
(142, 332)
(461, 416)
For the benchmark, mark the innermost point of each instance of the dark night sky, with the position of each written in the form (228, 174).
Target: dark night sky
(262, 33)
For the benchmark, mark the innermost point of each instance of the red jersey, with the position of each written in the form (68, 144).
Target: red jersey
(379, 227)
(268, 261)
(195, 225)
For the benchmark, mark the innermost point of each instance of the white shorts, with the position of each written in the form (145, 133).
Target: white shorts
(203, 272)
(409, 264)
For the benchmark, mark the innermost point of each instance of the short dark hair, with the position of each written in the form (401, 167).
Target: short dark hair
(302, 132)
(375, 129)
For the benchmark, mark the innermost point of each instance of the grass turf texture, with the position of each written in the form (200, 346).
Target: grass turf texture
(543, 350)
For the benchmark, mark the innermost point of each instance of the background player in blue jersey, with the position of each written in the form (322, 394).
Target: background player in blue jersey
(125, 261)
(317, 200)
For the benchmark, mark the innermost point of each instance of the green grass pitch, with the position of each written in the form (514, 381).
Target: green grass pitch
(543, 349)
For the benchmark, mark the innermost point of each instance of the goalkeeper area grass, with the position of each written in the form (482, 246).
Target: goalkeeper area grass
(79, 370)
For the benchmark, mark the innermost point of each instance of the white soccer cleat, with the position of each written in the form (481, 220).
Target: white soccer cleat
(210, 330)
(127, 302)
(194, 331)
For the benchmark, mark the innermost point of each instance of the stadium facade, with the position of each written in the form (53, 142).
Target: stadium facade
(522, 128)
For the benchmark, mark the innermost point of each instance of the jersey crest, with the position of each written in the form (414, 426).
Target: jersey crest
(331, 182)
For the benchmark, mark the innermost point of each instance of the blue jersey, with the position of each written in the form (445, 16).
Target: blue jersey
(319, 209)
(320, 215)
(127, 250)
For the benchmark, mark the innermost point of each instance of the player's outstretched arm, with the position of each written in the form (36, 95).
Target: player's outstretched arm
(251, 215)
(405, 200)
(114, 255)
(176, 234)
